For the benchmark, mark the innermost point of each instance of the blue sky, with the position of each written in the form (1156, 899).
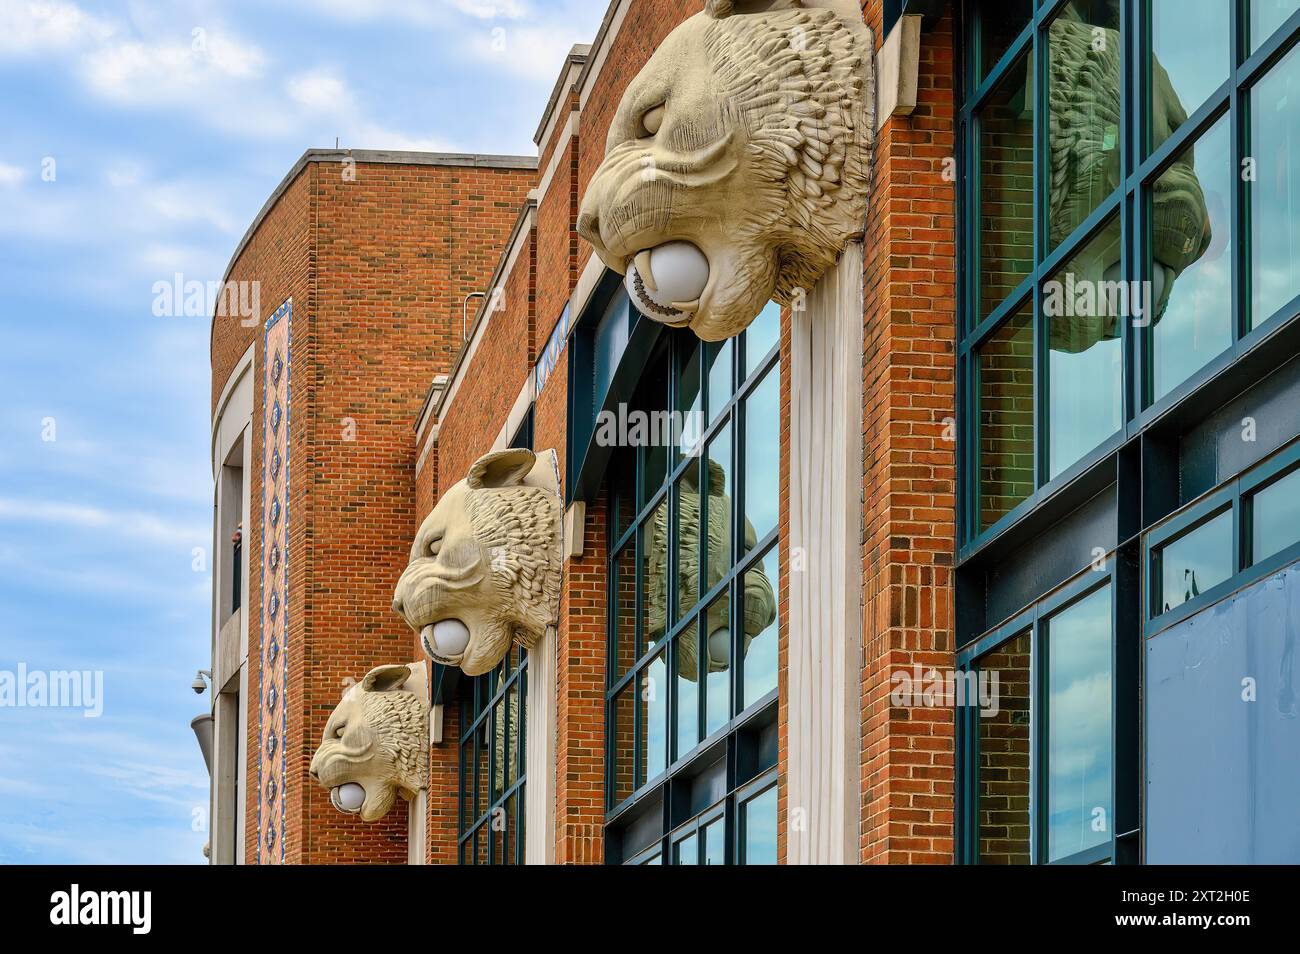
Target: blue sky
(139, 140)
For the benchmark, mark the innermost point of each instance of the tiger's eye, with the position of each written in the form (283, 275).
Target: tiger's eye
(653, 120)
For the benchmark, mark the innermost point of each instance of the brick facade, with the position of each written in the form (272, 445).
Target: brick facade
(909, 485)
(378, 258)
(380, 268)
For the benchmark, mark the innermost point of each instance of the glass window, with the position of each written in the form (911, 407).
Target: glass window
(688, 538)
(758, 821)
(762, 336)
(622, 744)
(1083, 303)
(1000, 23)
(1003, 791)
(1005, 392)
(1079, 727)
(623, 610)
(1266, 16)
(762, 586)
(1189, 60)
(1084, 136)
(1275, 517)
(762, 459)
(1275, 189)
(688, 689)
(715, 843)
(699, 600)
(1006, 177)
(687, 851)
(690, 402)
(717, 479)
(490, 797)
(654, 577)
(719, 357)
(654, 722)
(1190, 268)
(1193, 563)
(717, 665)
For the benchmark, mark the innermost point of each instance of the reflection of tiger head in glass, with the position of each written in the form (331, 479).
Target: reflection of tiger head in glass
(759, 607)
(1084, 167)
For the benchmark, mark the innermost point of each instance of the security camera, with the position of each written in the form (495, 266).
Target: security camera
(199, 685)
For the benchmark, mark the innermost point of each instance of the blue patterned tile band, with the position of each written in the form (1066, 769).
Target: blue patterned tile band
(277, 416)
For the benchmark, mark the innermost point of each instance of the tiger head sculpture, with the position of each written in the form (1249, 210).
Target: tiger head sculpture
(376, 745)
(739, 156)
(485, 565)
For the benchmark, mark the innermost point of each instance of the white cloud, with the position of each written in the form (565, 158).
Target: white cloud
(142, 526)
(423, 13)
(490, 9)
(40, 27)
(320, 90)
(533, 52)
(168, 72)
(11, 175)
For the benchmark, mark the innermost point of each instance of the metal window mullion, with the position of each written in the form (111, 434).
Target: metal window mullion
(1240, 209)
(1042, 124)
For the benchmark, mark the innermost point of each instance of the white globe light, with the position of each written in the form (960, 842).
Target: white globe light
(668, 275)
(348, 797)
(448, 637)
(720, 646)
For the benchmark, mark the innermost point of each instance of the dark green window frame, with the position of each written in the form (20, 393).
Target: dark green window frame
(1235, 497)
(1126, 203)
(739, 756)
(495, 835)
(1122, 846)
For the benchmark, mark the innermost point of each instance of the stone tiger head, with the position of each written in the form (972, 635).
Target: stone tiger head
(747, 137)
(376, 738)
(485, 565)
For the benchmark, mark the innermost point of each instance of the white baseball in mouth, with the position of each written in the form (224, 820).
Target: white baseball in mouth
(447, 638)
(348, 797)
(720, 646)
(668, 280)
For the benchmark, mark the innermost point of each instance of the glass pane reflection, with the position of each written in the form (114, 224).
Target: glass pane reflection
(1191, 266)
(1195, 562)
(762, 458)
(1084, 49)
(762, 584)
(1004, 756)
(1079, 727)
(1275, 190)
(1276, 521)
(759, 822)
(1083, 303)
(1189, 60)
(1266, 16)
(1006, 168)
(717, 644)
(1005, 390)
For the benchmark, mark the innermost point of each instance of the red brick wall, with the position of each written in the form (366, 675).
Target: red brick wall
(488, 386)
(909, 463)
(378, 266)
(278, 257)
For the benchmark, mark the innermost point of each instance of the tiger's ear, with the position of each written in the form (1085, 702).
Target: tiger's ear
(501, 468)
(385, 678)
